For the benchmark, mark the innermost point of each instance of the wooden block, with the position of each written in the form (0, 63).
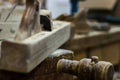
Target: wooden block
(80, 22)
(82, 27)
(24, 56)
(12, 1)
(109, 52)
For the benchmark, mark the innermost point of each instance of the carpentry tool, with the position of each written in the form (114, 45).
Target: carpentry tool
(87, 69)
(23, 56)
(32, 43)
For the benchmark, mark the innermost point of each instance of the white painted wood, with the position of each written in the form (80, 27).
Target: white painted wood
(8, 30)
(24, 56)
(16, 15)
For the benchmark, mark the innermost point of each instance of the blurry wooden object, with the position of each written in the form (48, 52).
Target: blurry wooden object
(1, 2)
(108, 52)
(12, 1)
(47, 70)
(78, 22)
(116, 11)
(112, 9)
(94, 39)
(101, 44)
(98, 4)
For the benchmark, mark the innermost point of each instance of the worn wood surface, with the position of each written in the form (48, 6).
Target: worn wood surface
(98, 4)
(47, 70)
(94, 38)
(101, 44)
(24, 56)
(8, 30)
(106, 52)
(78, 21)
(16, 15)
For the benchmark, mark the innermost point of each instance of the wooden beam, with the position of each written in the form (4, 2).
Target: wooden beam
(93, 39)
(24, 56)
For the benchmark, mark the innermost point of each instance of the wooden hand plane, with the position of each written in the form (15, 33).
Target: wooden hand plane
(32, 44)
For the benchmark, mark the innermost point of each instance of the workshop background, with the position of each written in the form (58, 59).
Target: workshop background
(95, 31)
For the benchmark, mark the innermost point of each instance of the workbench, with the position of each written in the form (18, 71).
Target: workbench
(106, 45)
(46, 70)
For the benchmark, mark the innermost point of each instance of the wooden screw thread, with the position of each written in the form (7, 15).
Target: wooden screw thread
(103, 71)
(87, 69)
(67, 66)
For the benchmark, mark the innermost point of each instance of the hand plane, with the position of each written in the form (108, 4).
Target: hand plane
(33, 42)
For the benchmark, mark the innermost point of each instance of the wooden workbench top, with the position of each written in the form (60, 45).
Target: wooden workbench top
(93, 39)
